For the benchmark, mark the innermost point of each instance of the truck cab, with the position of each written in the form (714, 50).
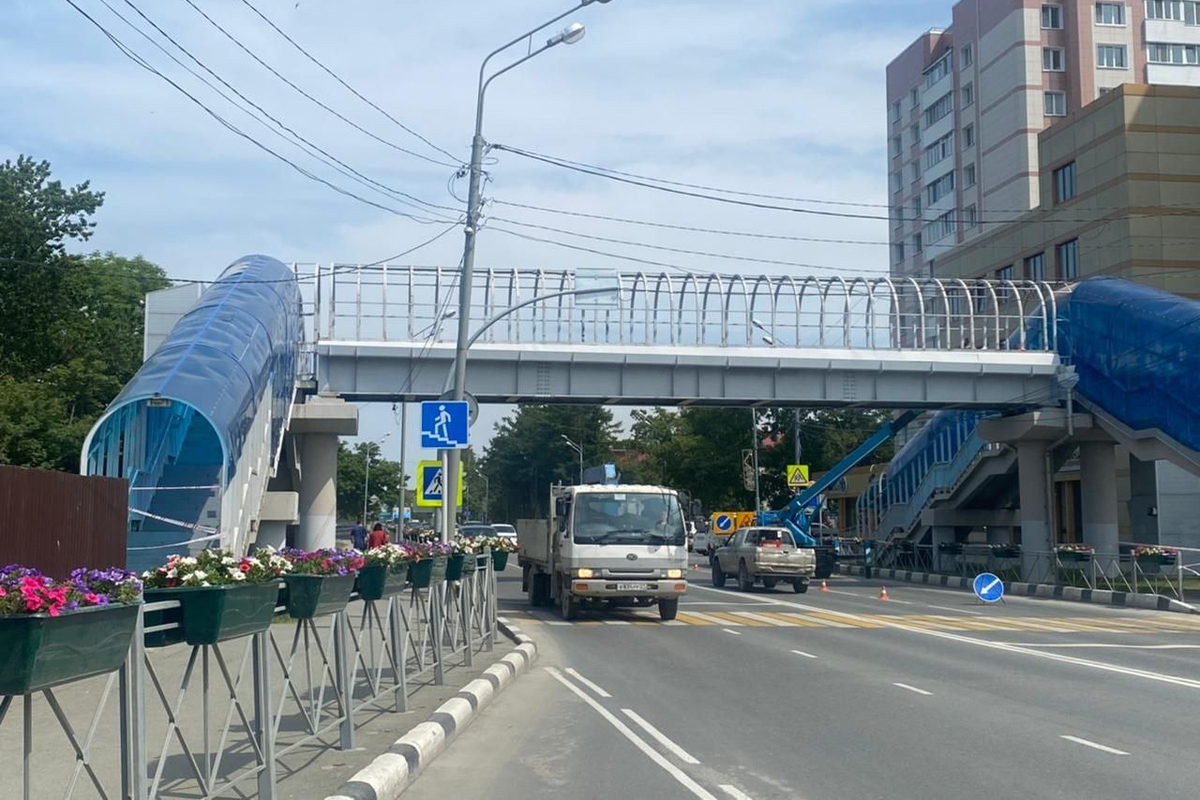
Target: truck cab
(608, 544)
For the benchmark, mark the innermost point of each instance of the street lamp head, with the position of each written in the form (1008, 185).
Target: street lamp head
(589, 2)
(768, 340)
(568, 35)
(757, 323)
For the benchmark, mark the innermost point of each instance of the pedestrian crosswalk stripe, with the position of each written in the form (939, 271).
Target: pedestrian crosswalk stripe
(799, 620)
(839, 621)
(735, 619)
(763, 618)
(690, 618)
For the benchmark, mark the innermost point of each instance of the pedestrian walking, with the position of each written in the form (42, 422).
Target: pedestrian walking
(358, 535)
(378, 537)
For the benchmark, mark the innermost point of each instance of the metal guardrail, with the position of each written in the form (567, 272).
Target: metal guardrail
(368, 659)
(389, 303)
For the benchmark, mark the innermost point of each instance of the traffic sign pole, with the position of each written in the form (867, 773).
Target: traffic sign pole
(448, 498)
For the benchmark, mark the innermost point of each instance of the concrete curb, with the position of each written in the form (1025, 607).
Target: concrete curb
(389, 774)
(1156, 602)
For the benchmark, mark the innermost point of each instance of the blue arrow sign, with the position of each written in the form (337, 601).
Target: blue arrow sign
(988, 587)
(444, 424)
(724, 522)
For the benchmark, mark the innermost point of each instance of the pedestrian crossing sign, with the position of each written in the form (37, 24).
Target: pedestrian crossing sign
(797, 476)
(429, 484)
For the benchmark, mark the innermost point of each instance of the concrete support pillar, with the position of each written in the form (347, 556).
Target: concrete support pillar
(937, 535)
(1143, 500)
(1098, 488)
(999, 534)
(271, 534)
(318, 491)
(1035, 515)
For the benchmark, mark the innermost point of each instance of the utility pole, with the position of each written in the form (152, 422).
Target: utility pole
(403, 479)
(754, 441)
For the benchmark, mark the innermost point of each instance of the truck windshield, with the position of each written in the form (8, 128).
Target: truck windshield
(628, 518)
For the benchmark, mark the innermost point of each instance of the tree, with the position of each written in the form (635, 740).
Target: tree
(351, 475)
(527, 454)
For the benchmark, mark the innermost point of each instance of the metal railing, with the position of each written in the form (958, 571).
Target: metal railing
(250, 710)
(388, 303)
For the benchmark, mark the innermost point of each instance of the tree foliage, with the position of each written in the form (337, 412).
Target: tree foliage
(384, 481)
(70, 326)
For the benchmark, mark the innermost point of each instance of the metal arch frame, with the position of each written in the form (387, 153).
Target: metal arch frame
(869, 315)
(638, 277)
(539, 285)
(920, 298)
(894, 315)
(562, 287)
(796, 297)
(1020, 312)
(688, 278)
(658, 282)
(970, 304)
(804, 284)
(845, 311)
(725, 316)
(996, 309)
(753, 303)
(701, 323)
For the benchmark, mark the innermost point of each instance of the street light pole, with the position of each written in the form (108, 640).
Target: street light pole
(367, 473)
(578, 448)
(571, 34)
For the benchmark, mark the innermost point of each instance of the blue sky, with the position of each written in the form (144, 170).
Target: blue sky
(777, 96)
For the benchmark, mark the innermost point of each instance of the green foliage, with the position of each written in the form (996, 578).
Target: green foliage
(527, 454)
(384, 481)
(70, 326)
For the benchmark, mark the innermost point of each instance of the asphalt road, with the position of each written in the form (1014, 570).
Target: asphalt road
(840, 695)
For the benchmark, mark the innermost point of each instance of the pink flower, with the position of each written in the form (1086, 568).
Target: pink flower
(245, 567)
(92, 598)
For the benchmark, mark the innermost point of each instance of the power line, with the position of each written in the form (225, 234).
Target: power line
(337, 78)
(137, 59)
(338, 165)
(313, 99)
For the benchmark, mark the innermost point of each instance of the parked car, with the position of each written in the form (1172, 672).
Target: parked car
(702, 542)
(476, 529)
(505, 531)
(766, 555)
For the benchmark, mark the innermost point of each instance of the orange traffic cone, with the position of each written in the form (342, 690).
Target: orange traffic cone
(883, 595)
(824, 588)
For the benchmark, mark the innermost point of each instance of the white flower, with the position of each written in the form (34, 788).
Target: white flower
(227, 560)
(237, 575)
(200, 575)
(171, 573)
(188, 561)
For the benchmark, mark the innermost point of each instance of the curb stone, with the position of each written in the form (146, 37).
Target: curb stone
(1156, 602)
(389, 774)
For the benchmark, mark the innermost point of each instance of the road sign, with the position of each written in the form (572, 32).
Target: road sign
(988, 587)
(472, 403)
(444, 424)
(723, 522)
(430, 484)
(748, 470)
(797, 476)
(745, 519)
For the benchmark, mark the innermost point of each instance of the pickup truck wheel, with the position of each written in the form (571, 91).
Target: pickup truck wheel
(770, 582)
(718, 575)
(800, 585)
(745, 582)
(667, 609)
(567, 604)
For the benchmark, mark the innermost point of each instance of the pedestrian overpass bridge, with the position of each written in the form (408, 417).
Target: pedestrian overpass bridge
(228, 434)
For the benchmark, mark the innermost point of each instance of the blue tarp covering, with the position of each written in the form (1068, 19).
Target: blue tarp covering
(1137, 352)
(244, 331)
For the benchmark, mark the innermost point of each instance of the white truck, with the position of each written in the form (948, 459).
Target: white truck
(610, 544)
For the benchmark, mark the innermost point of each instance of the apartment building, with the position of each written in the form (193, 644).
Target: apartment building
(966, 105)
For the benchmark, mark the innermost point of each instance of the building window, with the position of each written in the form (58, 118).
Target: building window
(968, 56)
(895, 146)
(969, 175)
(916, 243)
(1172, 54)
(1110, 56)
(940, 108)
(1064, 183)
(914, 97)
(917, 208)
(915, 132)
(897, 181)
(1191, 13)
(1005, 273)
(940, 150)
(915, 167)
(970, 216)
(1052, 16)
(1068, 260)
(1035, 267)
(1052, 59)
(938, 71)
(896, 111)
(1164, 9)
(968, 139)
(1056, 104)
(968, 94)
(1110, 13)
(940, 188)
(940, 228)
(898, 252)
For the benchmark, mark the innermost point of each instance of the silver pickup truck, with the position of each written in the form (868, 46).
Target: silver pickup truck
(766, 555)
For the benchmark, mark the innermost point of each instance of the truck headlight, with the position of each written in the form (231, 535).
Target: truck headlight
(674, 573)
(584, 572)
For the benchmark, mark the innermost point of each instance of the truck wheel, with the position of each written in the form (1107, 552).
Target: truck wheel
(539, 590)
(800, 585)
(567, 604)
(667, 609)
(745, 582)
(718, 575)
(770, 582)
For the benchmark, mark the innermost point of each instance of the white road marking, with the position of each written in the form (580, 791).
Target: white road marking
(729, 630)
(558, 622)
(587, 683)
(725, 603)
(638, 742)
(956, 610)
(870, 597)
(734, 792)
(617, 622)
(762, 618)
(502, 619)
(954, 637)
(660, 737)
(1111, 645)
(913, 689)
(673, 622)
(710, 619)
(802, 653)
(1095, 745)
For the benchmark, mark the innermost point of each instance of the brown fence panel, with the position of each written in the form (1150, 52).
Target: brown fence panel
(56, 521)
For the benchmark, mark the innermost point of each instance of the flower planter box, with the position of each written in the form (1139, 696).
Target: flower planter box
(1007, 552)
(38, 651)
(952, 548)
(499, 560)
(1074, 558)
(376, 581)
(311, 596)
(422, 574)
(212, 614)
(1155, 560)
(459, 565)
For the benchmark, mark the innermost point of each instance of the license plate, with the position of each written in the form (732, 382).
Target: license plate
(632, 587)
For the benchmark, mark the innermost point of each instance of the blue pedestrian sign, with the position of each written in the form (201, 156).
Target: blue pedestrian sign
(444, 424)
(988, 587)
